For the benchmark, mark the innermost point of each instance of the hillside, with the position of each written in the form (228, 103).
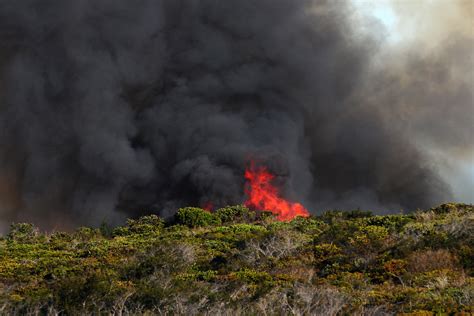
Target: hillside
(234, 261)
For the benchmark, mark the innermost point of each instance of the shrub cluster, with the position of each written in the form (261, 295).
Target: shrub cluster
(236, 262)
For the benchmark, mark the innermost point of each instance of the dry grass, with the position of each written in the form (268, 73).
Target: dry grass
(429, 260)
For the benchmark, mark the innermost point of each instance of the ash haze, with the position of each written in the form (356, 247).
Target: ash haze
(427, 28)
(112, 109)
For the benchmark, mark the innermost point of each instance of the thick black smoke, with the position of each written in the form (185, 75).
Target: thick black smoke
(114, 108)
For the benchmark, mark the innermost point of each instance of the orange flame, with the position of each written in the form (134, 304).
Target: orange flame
(263, 195)
(208, 206)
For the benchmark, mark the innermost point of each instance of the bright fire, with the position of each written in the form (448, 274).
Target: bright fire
(263, 195)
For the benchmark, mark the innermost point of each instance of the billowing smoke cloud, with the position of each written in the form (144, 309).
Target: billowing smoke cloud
(115, 108)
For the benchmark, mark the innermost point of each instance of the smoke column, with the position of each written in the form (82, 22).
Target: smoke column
(111, 109)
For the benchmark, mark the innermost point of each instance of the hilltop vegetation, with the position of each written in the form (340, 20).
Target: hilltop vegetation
(235, 261)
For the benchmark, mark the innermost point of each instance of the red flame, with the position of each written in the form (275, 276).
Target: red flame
(263, 195)
(208, 206)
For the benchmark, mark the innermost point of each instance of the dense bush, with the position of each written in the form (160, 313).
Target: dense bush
(233, 214)
(147, 225)
(196, 217)
(22, 232)
(234, 262)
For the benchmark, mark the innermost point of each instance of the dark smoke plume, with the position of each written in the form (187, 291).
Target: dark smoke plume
(115, 108)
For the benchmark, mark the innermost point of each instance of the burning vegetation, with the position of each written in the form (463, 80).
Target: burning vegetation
(117, 109)
(263, 195)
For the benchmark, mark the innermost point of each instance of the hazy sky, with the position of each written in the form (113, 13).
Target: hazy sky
(428, 24)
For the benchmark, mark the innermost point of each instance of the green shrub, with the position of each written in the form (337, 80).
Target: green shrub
(87, 233)
(252, 276)
(336, 215)
(331, 216)
(308, 225)
(96, 248)
(427, 235)
(326, 251)
(247, 228)
(328, 258)
(267, 216)
(339, 231)
(23, 232)
(232, 214)
(106, 229)
(196, 217)
(391, 222)
(235, 234)
(145, 225)
(61, 236)
(445, 208)
(369, 236)
(60, 241)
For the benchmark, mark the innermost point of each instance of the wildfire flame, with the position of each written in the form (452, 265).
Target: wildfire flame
(208, 206)
(263, 195)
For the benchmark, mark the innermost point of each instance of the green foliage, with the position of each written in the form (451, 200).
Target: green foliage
(208, 276)
(235, 214)
(146, 225)
(267, 216)
(335, 215)
(370, 236)
(391, 222)
(235, 262)
(252, 276)
(326, 251)
(196, 217)
(308, 225)
(87, 233)
(22, 232)
(452, 207)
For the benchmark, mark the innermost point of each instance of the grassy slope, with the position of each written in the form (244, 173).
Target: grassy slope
(234, 262)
